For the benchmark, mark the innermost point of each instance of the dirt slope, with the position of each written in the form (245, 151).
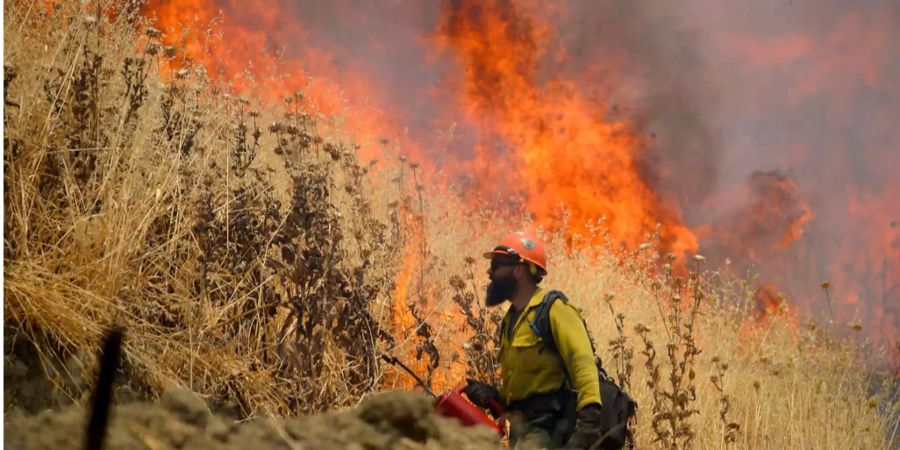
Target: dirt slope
(180, 420)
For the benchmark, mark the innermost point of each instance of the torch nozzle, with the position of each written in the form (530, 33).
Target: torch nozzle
(392, 360)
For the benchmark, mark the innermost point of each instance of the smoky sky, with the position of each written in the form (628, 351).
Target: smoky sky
(807, 92)
(727, 96)
(812, 90)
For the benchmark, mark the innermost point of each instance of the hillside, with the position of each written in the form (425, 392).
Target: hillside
(254, 259)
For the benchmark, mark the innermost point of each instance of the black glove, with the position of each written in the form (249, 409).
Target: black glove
(480, 393)
(588, 428)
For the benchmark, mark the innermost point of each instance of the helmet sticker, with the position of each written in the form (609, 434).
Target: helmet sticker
(528, 243)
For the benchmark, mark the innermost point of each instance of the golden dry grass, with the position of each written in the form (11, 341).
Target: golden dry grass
(165, 208)
(254, 260)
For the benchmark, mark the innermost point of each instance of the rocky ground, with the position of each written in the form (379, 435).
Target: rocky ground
(181, 420)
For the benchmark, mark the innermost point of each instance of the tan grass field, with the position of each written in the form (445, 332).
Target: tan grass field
(252, 258)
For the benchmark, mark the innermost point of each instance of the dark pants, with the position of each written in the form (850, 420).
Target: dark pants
(542, 421)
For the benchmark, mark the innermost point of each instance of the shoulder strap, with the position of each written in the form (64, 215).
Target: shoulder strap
(540, 325)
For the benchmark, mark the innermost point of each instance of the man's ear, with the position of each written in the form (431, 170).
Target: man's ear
(520, 271)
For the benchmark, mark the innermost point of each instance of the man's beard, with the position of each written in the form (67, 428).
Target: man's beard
(500, 290)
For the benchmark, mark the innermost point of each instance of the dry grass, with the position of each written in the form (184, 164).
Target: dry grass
(167, 208)
(787, 386)
(253, 259)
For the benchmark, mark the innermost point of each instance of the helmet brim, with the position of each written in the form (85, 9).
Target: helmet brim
(492, 254)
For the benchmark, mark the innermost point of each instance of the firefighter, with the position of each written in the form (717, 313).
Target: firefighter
(546, 408)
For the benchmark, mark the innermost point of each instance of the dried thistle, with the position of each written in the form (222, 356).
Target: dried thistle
(622, 353)
(729, 429)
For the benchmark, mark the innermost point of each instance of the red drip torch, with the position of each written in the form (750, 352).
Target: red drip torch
(453, 404)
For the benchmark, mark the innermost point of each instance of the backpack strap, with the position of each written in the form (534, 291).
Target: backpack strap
(540, 325)
(618, 407)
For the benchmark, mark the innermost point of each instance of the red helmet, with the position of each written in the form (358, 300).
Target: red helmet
(524, 246)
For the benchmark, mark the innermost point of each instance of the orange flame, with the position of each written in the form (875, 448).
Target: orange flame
(411, 291)
(567, 152)
(402, 321)
(238, 42)
(769, 302)
(542, 138)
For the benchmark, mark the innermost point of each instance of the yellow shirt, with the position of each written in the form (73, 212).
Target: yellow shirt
(526, 370)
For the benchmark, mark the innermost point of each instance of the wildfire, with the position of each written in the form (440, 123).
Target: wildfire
(769, 302)
(774, 216)
(413, 316)
(402, 320)
(523, 129)
(243, 44)
(558, 149)
(564, 151)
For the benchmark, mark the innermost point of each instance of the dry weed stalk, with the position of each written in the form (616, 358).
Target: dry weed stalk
(673, 403)
(482, 347)
(729, 429)
(654, 378)
(427, 345)
(150, 208)
(622, 353)
(412, 235)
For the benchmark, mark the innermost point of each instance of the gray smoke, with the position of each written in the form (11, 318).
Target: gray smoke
(736, 100)
(745, 98)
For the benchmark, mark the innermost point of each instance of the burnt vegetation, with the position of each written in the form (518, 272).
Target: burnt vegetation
(170, 209)
(251, 257)
(237, 243)
(482, 348)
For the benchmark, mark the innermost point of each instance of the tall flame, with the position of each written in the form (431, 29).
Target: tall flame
(566, 151)
(519, 85)
(414, 314)
(243, 44)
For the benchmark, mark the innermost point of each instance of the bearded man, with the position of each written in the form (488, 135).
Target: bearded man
(552, 398)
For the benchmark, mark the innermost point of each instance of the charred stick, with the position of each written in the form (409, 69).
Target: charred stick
(103, 391)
